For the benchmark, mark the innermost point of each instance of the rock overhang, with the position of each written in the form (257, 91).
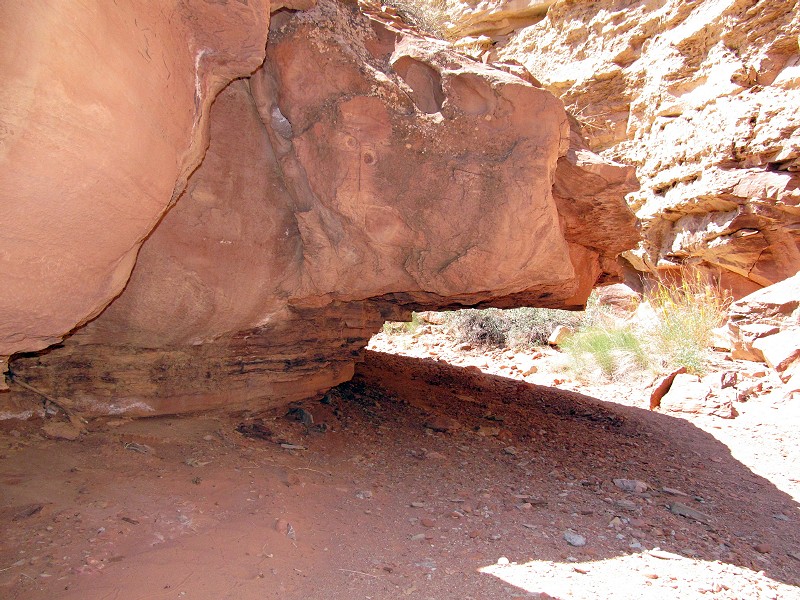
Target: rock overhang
(360, 173)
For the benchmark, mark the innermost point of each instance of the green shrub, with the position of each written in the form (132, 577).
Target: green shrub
(676, 333)
(614, 350)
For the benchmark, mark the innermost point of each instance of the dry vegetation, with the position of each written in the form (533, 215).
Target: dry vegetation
(670, 328)
(429, 16)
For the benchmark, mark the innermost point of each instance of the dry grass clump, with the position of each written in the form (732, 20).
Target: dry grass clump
(670, 329)
(402, 327)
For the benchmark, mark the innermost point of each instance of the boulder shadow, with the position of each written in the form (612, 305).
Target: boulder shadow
(559, 452)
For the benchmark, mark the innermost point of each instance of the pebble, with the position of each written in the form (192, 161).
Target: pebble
(428, 522)
(503, 561)
(442, 424)
(676, 508)
(510, 450)
(626, 505)
(763, 548)
(417, 505)
(574, 539)
(780, 517)
(364, 495)
(61, 430)
(631, 485)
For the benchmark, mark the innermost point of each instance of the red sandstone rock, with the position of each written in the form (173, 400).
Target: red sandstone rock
(103, 116)
(358, 175)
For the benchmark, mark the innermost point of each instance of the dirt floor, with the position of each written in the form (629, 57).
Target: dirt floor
(418, 479)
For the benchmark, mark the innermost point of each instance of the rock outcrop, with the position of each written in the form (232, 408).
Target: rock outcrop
(492, 17)
(103, 116)
(701, 97)
(765, 327)
(359, 174)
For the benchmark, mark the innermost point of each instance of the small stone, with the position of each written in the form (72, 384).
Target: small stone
(417, 505)
(559, 335)
(510, 450)
(417, 537)
(631, 485)
(780, 517)
(763, 548)
(442, 424)
(427, 522)
(281, 526)
(503, 561)
(574, 539)
(673, 491)
(364, 495)
(59, 430)
(581, 570)
(661, 554)
(682, 510)
(628, 505)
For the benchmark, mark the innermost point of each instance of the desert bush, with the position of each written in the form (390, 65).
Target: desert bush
(483, 328)
(429, 16)
(515, 328)
(615, 349)
(685, 314)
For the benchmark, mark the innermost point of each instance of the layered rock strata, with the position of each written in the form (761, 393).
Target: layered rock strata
(701, 97)
(359, 174)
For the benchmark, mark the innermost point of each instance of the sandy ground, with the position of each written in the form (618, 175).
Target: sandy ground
(418, 479)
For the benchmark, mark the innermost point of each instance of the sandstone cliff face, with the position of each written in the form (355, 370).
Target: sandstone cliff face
(702, 98)
(361, 173)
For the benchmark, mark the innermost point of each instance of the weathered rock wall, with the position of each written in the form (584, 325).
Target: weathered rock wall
(702, 98)
(359, 174)
(103, 116)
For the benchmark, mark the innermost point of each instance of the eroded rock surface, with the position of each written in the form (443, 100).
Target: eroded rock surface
(701, 97)
(359, 174)
(103, 113)
(493, 17)
(765, 327)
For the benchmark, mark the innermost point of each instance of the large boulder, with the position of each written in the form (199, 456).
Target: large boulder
(765, 326)
(103, 117)
(361, 173)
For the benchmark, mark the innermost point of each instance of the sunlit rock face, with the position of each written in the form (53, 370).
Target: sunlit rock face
(361, 173)
(702, 98)
(103, 116)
